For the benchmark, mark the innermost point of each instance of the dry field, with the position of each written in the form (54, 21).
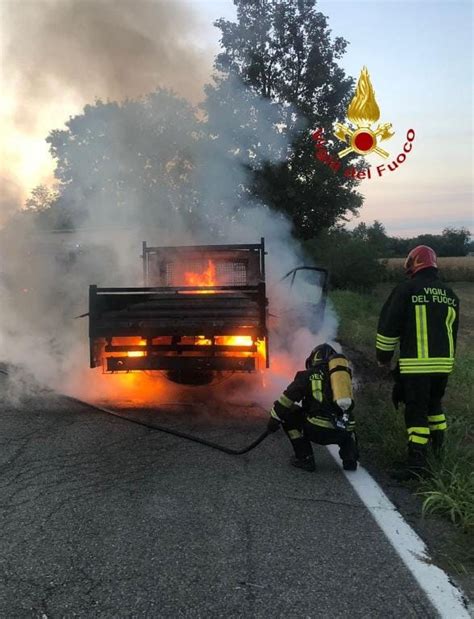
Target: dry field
(456, 269)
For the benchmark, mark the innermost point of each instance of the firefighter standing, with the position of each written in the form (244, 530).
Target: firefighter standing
(421, 315)
(325, 416)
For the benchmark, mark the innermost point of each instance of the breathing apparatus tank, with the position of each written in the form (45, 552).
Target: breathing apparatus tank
(341, 381)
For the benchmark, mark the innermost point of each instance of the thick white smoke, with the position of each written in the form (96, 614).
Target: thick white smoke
(59, 55)
(45, 276)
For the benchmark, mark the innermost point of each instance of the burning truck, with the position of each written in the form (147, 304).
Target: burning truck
(202, 311)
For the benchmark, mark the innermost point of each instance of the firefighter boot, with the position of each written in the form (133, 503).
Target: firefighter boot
(437, 441)
(303, 458)
(415, 466)
(307, 463)
(349, 452)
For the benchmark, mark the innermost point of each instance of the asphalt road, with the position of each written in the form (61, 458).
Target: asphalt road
(102, 518)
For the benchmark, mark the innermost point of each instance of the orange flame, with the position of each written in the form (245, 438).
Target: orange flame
(207, 278)
(237, 340)
(137, 353)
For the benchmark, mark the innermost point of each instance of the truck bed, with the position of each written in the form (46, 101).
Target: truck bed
(203, 308)
(151, 312)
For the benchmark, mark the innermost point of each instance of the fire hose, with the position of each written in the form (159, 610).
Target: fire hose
(158, 428)
(189, 437)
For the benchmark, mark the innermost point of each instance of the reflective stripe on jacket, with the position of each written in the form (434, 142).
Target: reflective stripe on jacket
(421, 316)
(313, 389)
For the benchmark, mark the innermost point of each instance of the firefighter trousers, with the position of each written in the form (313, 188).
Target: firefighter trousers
(302, 433)
(424, 416)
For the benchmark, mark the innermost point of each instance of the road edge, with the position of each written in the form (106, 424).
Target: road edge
(446, 597)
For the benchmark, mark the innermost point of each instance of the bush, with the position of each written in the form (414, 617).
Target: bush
(352, 262)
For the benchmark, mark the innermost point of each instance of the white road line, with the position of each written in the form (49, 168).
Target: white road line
(445, 597)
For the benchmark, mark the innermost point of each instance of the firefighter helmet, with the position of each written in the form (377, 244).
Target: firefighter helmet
(320, 354)
(421, 257)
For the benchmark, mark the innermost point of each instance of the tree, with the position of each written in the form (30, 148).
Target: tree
(352, 262)
(452, 242)
(41, 198)
(398, 247)
(119, 164)
(374, 236)
(455, 242)
(282, 50)
(44, 209)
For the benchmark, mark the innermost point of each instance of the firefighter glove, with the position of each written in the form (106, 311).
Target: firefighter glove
(397, 390)
(273, 425)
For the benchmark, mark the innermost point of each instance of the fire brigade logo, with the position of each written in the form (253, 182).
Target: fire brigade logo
(362, 112)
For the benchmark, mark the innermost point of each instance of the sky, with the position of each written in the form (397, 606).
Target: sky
(419, 56)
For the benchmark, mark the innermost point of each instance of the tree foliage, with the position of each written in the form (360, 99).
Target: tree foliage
(277, 78)
(355, 258)
(352, 262)
(41, 198)
(374, 236)
(451, 242)
(120, 161)
(282, 50)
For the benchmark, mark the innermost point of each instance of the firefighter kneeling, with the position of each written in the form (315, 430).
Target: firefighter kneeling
(325, 416)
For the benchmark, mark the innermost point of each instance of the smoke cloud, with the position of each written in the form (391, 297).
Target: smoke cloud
(99, 48)
(124, 49)
(10, 196)
(58, 55)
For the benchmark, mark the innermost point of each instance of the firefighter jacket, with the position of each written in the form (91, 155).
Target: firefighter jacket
(313, 389)
(421, 316)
